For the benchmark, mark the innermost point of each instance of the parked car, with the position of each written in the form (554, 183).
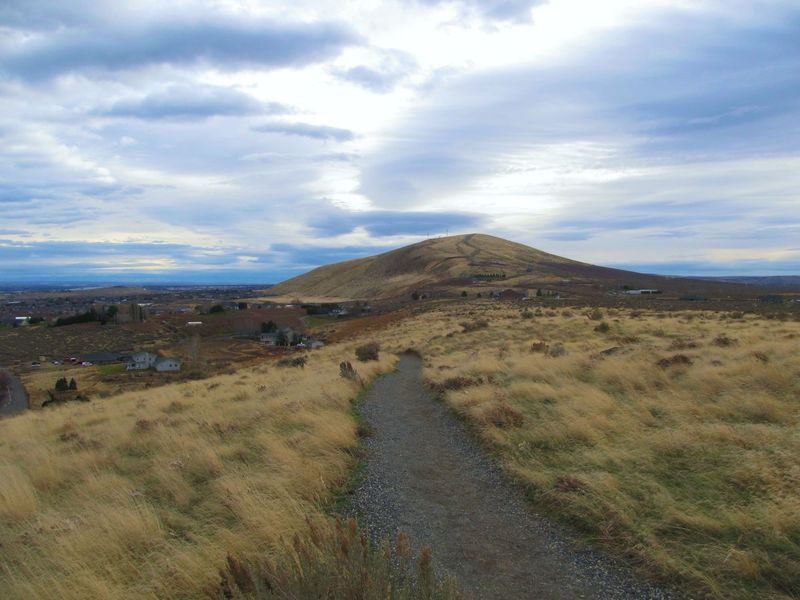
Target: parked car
(55, 362)
(36, 364)
(86, 363)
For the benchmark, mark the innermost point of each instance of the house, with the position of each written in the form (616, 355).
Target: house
(283, 337)
(164, 364)
(100, 358)
(642, 292)
(141, 361)
(270, 339)
(509, 294)
(21, 321)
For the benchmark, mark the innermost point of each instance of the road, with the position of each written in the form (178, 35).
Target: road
(13, 399)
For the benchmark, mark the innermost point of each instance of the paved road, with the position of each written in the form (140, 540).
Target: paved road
(13, 399)
(425, 475)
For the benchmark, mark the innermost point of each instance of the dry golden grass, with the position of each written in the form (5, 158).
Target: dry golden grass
(143, 495)
(690, 469)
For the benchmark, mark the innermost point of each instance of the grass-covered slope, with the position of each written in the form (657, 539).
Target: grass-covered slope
(145, 495)
(427, 263)
(671, 438)
(478, 262)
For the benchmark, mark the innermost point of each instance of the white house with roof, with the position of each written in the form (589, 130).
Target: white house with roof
(141, 361)
(165, 363)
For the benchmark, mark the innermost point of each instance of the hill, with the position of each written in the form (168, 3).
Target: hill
(479, 262)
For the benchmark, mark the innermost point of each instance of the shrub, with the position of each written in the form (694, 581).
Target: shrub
(526, 314)
(368, 352)
(556, 350)
(503, 415)
(347, 371)
(458, 383)
(217, 308)
(603, 327)
(595, 314)
(297, 361)
(338, 563)
(682, 344)
(468, 326)
(677, 359)
(539, 347)
(723, 340)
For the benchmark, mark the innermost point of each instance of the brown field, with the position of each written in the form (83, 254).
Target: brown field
(670, 438)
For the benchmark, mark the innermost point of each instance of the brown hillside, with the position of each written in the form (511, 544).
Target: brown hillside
(475, 262)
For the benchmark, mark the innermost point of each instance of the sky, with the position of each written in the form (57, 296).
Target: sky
(247, 141)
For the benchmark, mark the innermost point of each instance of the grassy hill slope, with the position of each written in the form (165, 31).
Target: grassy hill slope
(474, 261)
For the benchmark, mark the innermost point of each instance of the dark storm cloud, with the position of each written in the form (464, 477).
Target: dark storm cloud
(319, 132)
(190, 102)
(230, 44)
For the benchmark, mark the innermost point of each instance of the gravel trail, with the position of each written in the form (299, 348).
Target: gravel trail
(424, 475)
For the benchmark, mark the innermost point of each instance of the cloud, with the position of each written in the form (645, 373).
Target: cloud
(300, 258)
(254, 43)
(390, 68)
(495, 10)
(318, 132)
(123, 261)
(191, 102)
(386, 223)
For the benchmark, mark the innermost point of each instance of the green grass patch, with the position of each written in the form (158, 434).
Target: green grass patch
(111, 369)
(312, 321)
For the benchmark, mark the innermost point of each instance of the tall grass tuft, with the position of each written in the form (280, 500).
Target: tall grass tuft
(337, 562)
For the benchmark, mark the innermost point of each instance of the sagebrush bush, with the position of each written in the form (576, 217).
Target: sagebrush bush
(475, 325)
(289, 361)
(603, 327)
(368, 352)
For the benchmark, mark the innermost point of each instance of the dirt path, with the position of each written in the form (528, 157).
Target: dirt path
(425, 476)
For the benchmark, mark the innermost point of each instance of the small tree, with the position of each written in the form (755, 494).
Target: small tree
(73, 385)
(217, 308)
(62, 385)
(464, 294)
(415, 295)
(282, 339)
(269, 327)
